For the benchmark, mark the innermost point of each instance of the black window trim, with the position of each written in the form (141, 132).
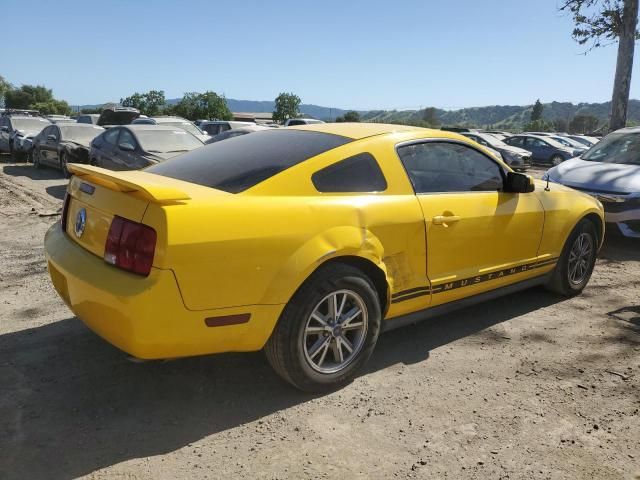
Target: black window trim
(368, 192)
(420, 141)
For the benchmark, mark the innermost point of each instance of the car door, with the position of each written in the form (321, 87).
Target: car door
(106, 151)
(127, 159)
(45, 144)
(52, 141)
(478, 237)
(540, 151)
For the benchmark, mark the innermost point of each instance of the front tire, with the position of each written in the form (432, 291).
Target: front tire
(63, 165)
(556, 160)
(327, 331)
(36, 158)
(576, 263)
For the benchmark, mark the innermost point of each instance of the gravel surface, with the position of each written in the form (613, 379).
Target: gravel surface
(529, 386)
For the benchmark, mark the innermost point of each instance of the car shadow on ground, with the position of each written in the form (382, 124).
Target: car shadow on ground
(71, 404)
(57, 191)
(29, 171)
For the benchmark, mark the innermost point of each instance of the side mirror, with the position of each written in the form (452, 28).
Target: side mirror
(4, 129)
(51, 138)
(519, 183)
(126, 147)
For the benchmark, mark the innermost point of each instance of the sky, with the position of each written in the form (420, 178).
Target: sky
(354, 54)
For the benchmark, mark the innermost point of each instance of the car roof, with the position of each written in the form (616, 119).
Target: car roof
(29, 117)
(79, 125)
(357, 131)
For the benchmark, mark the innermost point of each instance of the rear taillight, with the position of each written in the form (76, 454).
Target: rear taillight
(65, 212)
(130, 246)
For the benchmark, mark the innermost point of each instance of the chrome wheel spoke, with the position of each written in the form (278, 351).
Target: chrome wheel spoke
(317, 347)
(580, 258)
(335, 331)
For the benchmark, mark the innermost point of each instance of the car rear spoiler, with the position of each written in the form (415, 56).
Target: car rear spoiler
(154, 188)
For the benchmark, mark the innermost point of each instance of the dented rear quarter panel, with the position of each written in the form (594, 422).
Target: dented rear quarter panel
(259, 246)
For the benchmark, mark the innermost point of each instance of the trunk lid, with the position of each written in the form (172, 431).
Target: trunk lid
(96, 195)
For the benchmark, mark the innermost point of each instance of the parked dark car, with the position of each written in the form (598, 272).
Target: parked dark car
(60, 144)
(111, 116)
(91, 118)
(16, 129)
(517, 158)
(132, 147)
(543, 149)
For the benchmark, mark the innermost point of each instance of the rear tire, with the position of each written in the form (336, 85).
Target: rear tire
(313, 348)
(575, 266)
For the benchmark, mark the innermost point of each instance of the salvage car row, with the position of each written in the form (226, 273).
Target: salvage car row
(121, 139)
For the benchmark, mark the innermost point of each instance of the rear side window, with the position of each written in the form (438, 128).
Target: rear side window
(239, 163)
(359, 173)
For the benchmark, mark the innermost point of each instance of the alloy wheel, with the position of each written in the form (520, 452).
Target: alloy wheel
(335, 331)
(580, 258)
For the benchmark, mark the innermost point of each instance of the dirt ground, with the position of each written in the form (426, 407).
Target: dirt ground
(530, 386)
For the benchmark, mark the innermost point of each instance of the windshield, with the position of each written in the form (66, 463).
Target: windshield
(29, 123)
(80, 134)
(568, 142)
(616, 148)
(189, 127)
(552, 142)
(165, 141)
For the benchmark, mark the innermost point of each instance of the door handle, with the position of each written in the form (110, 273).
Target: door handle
(445, 219)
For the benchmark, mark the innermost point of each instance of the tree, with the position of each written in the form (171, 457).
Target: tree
(287, 106)
(56, 107)
(430, 117)
(583, 124)
(350, 116)
(5, 86)
(208, 105)
(538, 126)
(536, 113)
(27, 96)
(213, 107)
(560, 125)
(604, 22)
(150, 103)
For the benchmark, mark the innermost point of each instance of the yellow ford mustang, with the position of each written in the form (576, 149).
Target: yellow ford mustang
(308, 242)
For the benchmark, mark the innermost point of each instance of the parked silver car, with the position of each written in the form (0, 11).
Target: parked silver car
(610, 171)
(170, 121)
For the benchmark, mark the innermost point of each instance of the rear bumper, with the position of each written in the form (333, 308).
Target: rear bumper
(145, 316)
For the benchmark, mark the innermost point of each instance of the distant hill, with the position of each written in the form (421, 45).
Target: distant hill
(494, 116)
(504, 116)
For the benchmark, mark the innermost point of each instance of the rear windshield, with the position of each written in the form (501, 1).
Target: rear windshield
(189, 127)
(80, 134)
(167, 141)
(240, 163)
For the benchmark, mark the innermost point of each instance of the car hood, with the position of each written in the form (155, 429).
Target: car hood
(518, 150)
(599, 176)
(109, 117)
(28, 133)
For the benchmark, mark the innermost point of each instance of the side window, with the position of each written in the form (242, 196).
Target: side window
(224, 127)
(111, 136)
(515, 141)
(534, 142)
(127, 137)
(359, 173)
(56, 131)
(449, 167)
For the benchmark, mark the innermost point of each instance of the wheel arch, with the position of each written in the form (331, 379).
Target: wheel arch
(353, 246)
(598, 223)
